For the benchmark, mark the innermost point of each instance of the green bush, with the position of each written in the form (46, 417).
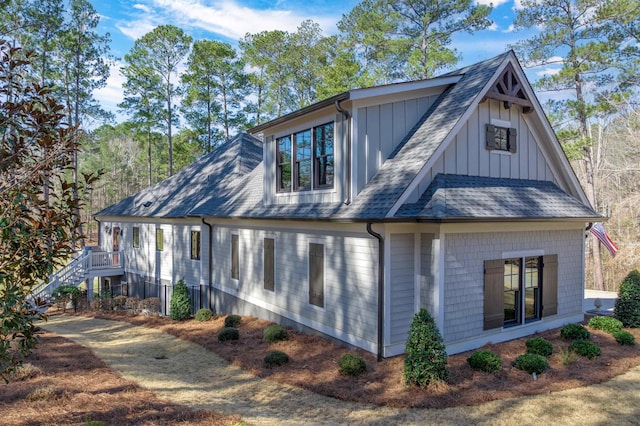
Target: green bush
(204, 314)
(180, 307)
(573, 332)
(66, 294)
(275, 333)
(228, 333)
(232, 321)
(585, 348)
(531, 363)
(624, 338)
(485, 361)
(275, 358)
(351, 365)
(425, 360)
(627, 307)
(539, 346)
(608, 324)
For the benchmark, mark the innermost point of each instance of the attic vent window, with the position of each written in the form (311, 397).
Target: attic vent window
(501, 138)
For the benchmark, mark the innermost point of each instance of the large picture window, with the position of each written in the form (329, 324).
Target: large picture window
(305, 160)
(519, 290)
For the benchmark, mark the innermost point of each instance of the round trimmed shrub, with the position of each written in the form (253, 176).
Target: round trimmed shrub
(585, 348)
(425, 358)
(232, 321)
(204, 314)
(228, 334)
(351, 365)
(275, 358)
(574, 332)
(275, 333)
(531, 363)
(624, 338)
(608, 324)
(485, 361)
(180, 308)
(539, 346)
(627, 307)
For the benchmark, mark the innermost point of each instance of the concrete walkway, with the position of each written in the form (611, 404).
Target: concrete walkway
(186, 373)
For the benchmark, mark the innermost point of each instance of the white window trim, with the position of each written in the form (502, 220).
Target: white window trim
(500, 123)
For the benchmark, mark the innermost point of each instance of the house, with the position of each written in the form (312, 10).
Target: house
(348, 216)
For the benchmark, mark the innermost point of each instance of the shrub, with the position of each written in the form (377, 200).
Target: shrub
(232, 321)
(66, 294)
(180, 307)
(573, 332)
(485, 361)
(275, 358)
(531, 363)
(151, 304)
(627, 307)
(228, 333)
(351, 365)
(204, 314)
(132, 303)
(25, 371)
(608, 324)
(425, 359)
(585, 348)
(119, 302)
(275, 333)
(624, 338)
(539, 346)
(567, 356)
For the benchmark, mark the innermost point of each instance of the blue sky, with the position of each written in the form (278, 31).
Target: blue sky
(230, 20)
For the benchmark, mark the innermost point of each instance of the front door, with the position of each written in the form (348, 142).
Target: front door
(116, 245)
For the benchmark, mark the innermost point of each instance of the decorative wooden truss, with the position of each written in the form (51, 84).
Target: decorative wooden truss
(509, 90)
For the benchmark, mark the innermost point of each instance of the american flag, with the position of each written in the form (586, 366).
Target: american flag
(598, 230)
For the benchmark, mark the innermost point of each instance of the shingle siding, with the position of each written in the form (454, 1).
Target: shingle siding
(427, 279)
(402, 287)
(463, 285)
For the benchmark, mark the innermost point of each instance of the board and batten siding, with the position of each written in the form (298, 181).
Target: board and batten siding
(464, 275)
(402, 287)
(350, 279)
(331, 195)
(467, 154)
(380, 129)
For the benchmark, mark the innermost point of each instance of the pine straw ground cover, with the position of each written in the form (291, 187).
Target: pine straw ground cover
(314, 365)
(65, 384)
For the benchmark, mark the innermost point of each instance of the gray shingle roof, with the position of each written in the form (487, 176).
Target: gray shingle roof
(214, 176)
(451, 197)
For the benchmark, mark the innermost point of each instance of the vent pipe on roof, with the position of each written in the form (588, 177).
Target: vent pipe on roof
(347, 117)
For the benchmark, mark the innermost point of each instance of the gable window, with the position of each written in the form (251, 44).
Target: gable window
(136, 236)
(519, 290)
(316, 274)
(501, 138)
(195, 245)
(305, 160)
(159, 239)
(235, 260)
(269, 264)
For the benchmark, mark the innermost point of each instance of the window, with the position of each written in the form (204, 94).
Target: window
(316, 274)
(519, 290)
(306, 159)
(269, 264)
(136, 236)
(195, 245)
(323, 142)
(159, 239)
(235, 261)
(501, 138)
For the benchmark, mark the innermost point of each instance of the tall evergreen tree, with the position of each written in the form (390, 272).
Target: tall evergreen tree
(160, 52)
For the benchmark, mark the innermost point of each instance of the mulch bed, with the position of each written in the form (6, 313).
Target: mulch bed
(314, 365)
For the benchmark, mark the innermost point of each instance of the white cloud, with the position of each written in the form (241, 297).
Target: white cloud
(112, 94)
(135, 29)
(548, 72)
(558, 60)
(495, 3)
(493, 27)
(227, 18)
(510, 29)
(142, 7)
